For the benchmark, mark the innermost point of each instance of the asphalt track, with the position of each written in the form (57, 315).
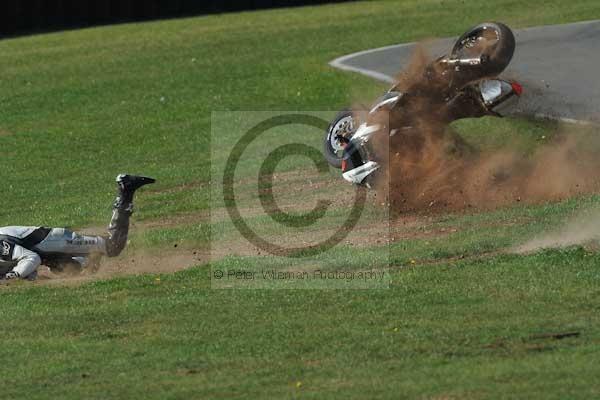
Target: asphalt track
(558, 65)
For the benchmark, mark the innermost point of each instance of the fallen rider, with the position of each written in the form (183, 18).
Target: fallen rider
(24, 248)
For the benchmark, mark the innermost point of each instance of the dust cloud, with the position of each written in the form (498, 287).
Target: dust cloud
(579, 230)
(429, 167)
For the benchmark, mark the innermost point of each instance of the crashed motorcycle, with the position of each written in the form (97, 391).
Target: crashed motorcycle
(460, 84)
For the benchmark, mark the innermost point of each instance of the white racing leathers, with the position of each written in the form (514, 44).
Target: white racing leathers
(23, 247)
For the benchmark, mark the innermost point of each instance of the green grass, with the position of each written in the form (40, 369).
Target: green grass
(460, 330)
(459, 319)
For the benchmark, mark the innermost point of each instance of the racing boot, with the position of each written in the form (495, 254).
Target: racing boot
(128, 184)
(118, 228)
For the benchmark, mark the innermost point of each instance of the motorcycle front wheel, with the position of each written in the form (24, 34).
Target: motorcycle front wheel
(343, 124)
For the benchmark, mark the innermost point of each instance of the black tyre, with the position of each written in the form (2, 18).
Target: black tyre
(343, 124)
(493, 41)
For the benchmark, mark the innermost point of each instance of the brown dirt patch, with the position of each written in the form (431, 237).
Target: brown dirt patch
(131, 263)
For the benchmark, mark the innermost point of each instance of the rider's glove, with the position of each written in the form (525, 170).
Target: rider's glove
(12, 275)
